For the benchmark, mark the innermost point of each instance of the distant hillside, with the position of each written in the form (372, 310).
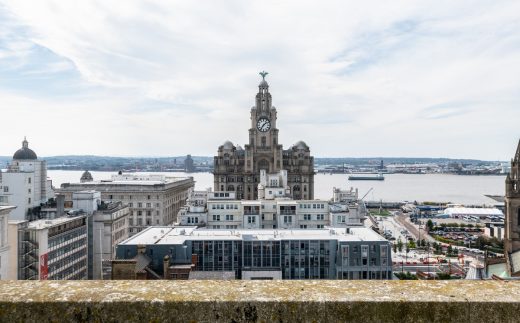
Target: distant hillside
(124, 163)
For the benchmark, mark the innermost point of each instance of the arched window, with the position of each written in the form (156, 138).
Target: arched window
(263, 164)
(231, 188)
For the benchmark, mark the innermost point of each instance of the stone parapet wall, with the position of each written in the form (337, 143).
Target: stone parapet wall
(260, 301)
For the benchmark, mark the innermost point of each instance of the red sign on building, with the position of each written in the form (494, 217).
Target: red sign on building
(44, 267)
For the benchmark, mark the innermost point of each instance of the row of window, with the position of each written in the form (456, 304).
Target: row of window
(224, 206)
(130, 197)
(319, 217)
(140, 205)
(312, 206)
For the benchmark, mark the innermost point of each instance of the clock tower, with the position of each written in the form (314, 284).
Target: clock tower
(237, 169)
(263, 149)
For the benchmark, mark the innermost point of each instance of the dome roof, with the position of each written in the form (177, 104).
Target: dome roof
(228, 145)
(301, 145)
(86, 177)
(25, 153)
(263, 84)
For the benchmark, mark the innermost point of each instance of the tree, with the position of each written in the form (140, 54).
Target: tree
(411, 245)
(423, 243)
(429, 225)
(394, 246)
(399, 245)
(450, 250)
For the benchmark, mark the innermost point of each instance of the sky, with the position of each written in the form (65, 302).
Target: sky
(350, 78)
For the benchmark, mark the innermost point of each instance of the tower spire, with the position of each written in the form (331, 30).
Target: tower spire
(517, 155)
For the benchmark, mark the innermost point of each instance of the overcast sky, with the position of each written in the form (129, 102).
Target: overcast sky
(350, 78)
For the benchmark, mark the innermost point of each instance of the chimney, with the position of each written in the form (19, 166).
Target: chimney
(166, 267)
(194, 261)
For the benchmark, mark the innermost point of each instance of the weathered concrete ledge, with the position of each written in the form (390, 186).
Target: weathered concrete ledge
(260, 301)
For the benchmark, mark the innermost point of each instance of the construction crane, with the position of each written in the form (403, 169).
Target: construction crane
(370, 190)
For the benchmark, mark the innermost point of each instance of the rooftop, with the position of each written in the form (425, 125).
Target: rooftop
(129, 179)
(7, 207)
(178, 235)
(46, 223)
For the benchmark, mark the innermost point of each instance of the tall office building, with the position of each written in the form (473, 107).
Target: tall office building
(237, 169)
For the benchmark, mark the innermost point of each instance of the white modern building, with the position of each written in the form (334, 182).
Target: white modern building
(468, 213)
(152, 199)
(4, 241)
(46, 249)
(334, 253)
(273, 210)
(24, 184)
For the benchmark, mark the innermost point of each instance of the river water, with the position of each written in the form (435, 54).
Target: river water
(395, 187)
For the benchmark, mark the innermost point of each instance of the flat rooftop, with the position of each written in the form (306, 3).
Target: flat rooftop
(164, 235)
(49, 223)
(7, 207)
(128, 180)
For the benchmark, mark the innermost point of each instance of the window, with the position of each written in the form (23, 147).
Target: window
(149, 197)
(229, 217)
(139, 204)
(148, 213)
(364, 251)
(148, 204)
(303, 226)
(29, 180)
(320, 217)
(251, 219)
(384, 251)
(131, 204)
(307, 217)
(287, 219)
(320, 226)
(216, 217)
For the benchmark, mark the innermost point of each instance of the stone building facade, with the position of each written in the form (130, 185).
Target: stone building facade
(237, 169)
(152, 199)
(512, 223)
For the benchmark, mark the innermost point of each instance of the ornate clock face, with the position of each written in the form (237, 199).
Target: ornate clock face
(263, 124)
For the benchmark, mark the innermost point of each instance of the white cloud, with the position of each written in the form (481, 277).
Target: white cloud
(380, 78)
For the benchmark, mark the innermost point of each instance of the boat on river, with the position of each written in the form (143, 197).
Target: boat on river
(377, 177)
